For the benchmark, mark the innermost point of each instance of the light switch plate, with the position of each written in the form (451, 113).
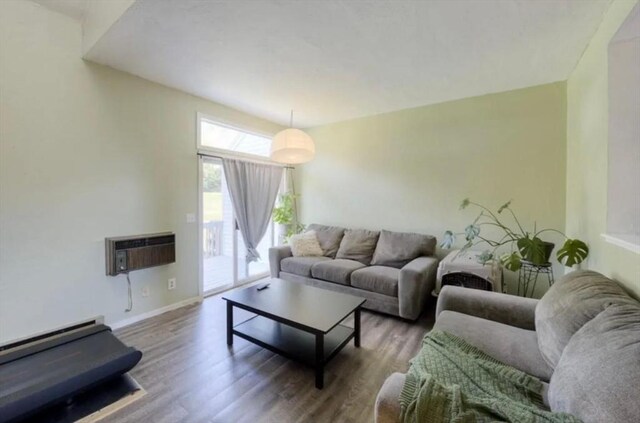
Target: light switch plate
(191, 218)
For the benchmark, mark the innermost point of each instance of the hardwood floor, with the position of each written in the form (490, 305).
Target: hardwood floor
(192, 376)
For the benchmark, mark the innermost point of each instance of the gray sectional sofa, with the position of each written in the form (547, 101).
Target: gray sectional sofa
(394, 271)
(582, 339)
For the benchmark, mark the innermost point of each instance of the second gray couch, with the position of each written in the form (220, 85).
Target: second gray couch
(394, 271)
(582, 340)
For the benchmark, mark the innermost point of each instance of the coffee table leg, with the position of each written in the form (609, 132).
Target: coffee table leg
(319, 360)
(356, 329)
(229, 323)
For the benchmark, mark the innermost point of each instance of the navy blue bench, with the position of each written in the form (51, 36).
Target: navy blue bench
(47, 371)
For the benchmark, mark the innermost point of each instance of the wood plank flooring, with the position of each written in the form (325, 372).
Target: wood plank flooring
(190, 374)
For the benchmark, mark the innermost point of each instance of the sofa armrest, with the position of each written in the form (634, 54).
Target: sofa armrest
(276, 254)
(387, 408)
(417, 280)
(503, 308)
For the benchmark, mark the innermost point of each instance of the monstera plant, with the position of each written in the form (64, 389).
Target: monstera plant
(524, 245)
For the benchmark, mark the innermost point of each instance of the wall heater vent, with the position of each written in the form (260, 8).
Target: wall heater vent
(127, 253)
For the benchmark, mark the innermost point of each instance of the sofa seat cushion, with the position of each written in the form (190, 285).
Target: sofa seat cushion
(300, 265)
(338, 270)
(329, 238)
(508, 344)
(380, 279)
(358, 245)
(571, 302)
(598, 376)
(396, 249)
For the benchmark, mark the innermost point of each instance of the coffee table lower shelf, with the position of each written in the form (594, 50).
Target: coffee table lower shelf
(294, 343)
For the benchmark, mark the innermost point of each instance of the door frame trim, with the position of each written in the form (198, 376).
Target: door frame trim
(200, 218)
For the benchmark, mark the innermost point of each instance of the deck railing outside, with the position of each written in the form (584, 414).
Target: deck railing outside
(213, 237)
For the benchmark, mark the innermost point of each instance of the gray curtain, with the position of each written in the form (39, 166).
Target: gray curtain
(253, 188)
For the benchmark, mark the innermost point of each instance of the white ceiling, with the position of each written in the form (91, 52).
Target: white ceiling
(72, 8)
(335, 60)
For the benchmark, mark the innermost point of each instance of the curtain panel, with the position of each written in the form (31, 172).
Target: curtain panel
(253, 188)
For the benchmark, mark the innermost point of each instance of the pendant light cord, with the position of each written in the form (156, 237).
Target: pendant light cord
(291, 120)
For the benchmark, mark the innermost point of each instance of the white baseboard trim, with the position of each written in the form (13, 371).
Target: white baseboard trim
(149, 314)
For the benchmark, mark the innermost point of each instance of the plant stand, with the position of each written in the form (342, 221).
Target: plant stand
(528, 276)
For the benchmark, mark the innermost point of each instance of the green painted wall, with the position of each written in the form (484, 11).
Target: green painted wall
(87, 152)
(587, 162)
(409, 170)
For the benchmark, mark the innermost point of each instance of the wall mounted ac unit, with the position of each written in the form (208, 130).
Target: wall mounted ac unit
(127, 253)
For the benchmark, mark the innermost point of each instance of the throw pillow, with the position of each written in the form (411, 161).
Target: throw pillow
(305, 245)
(329, 238)
(598, 376)
(359, 245)
(571, 302)
(396, 249)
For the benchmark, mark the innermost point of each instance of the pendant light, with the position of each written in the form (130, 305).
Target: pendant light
(292, 146)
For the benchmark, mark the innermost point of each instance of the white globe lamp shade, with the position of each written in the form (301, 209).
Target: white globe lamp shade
(292, 146)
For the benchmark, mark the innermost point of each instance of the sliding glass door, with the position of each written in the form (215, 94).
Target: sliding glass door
(222, 251)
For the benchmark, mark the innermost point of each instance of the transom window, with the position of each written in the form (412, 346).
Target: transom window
(219, 136)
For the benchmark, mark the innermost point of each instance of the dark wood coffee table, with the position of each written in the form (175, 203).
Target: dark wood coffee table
(296, 321)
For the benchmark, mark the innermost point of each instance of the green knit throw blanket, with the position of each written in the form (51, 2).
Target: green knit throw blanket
(454, 382)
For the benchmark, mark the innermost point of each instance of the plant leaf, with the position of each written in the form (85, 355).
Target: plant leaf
(283, 213)
(485, 257)
(293, 230)
(512, 261)
(532, 249)
(471, 232)
(448, 239)
(504, 206)
(464, 203)
(572, 252)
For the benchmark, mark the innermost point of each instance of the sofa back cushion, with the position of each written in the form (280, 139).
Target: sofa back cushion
(329, 238)
(598, 376)
(571, 302)
(359, 245)
(396, 249)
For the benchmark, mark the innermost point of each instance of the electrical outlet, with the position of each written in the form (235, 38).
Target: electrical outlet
(191, 218)
(171, 284)
(145, 291)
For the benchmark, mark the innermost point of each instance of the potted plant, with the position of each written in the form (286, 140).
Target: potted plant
(284, 215)
(524, 245)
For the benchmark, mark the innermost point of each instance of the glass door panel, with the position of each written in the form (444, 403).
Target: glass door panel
(260, 267)
(218, 229)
